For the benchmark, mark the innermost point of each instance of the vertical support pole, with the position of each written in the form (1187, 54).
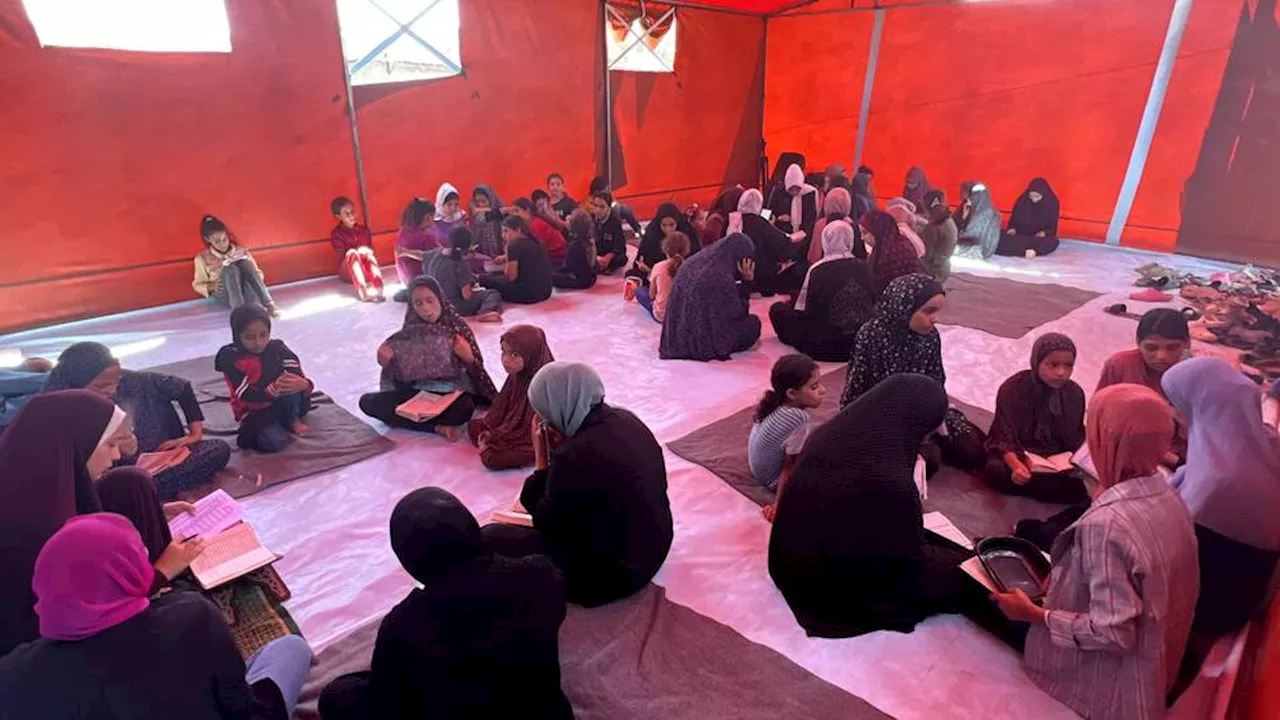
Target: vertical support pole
(1150, 118)
(355, 138)
(868, 84)
(762, 163)
(608, 97)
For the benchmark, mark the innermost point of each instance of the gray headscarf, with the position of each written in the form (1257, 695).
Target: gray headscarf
(564, 393)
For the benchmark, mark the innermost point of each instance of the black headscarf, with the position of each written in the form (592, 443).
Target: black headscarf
(1031, 416)
(886, 345)
(1029, 218)
(651, 243)
(1164, 322)
(78, 365)
(433, 533)
(846, 544)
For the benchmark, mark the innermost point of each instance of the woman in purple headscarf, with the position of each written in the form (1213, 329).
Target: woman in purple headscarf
(54, 461)
(708, 316)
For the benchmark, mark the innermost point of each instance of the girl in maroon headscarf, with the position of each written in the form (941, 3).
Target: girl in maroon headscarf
(54, 461)
(503, 433)
(892, 254)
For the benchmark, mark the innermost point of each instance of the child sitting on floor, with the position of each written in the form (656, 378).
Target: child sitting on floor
(579, 270)
(448, 265)
(269, 391)
(227, 272)
(653, 298)
(782, 421)
(526, 268)
(415, 238)
(502, 435)
(540, 229)
(353, 244)
(1039, 412)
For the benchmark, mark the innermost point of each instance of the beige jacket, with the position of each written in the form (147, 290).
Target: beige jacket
(209, 264)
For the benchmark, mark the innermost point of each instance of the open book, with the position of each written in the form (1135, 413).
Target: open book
(426, 405)
(230, 554)
(157, 462)
(941, 525)
(214, 513)
(1058, 463)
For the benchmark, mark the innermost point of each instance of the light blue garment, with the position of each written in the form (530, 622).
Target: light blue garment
(781, 434)
(284, 661)
(564, 393)
(1231, 482)
(16, 388)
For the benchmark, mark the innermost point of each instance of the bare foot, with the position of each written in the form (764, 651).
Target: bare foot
(629, 291)
(448, 432)
(273, 310)
(489, 317)
(298, 428)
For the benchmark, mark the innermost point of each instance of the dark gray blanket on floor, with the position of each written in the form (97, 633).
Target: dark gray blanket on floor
(721, 447)
(646, 657)
(1005, 307)
(337, 437)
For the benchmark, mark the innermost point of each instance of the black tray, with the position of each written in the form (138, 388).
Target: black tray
(1012, 562)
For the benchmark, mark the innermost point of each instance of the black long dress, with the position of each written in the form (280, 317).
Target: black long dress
(600, 511)
(840, 299)
(1029, 219)
(773, 247)
(176, 659)
(848, 547)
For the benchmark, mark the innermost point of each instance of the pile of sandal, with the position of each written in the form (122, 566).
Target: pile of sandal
(1238, 309)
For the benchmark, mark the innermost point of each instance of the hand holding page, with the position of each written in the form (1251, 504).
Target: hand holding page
(214, 513)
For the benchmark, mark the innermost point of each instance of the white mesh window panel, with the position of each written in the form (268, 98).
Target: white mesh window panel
(389, 41)
(141, 25)
(636, 51)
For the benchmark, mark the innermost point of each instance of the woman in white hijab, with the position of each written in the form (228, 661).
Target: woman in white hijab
(598, 493)
(774, 249)
(836, 298)
(795, 205)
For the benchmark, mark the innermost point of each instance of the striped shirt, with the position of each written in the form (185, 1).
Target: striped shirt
(1121, 597)
(780, 434)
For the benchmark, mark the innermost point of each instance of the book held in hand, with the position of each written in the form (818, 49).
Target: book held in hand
(1050, 465)
(213, 513)
(230, 554)
(426, 405)
(158, 462)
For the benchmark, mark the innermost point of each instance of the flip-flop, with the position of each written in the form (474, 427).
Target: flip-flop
(1117, 309)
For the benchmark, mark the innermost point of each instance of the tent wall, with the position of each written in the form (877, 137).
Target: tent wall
(110, 160)
(987, 91)
(525, 106)
(683, 136)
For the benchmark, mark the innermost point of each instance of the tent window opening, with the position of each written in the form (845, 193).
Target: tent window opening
(390, 41)
(140, 25)
(640, 42)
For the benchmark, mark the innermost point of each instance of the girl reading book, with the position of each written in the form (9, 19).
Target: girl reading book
(269, 392)
(1039, 414)
(148, 398)
(502, 435)
(226, 271)
(436, 352)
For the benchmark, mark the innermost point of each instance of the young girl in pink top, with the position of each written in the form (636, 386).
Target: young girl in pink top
(676, 247)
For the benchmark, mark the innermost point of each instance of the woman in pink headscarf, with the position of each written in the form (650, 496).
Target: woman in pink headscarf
(107, 646)
(1108, 639)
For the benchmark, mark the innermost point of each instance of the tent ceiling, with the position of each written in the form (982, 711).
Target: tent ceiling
(757, 7)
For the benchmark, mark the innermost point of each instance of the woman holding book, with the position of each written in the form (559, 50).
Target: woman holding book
(1039, 414)
(107, 649)
(480, 639)
(56, 456)
(148, 399)
(598, 493)
(436, 352)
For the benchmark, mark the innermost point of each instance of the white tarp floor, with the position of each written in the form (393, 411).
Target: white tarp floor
(332, 528)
